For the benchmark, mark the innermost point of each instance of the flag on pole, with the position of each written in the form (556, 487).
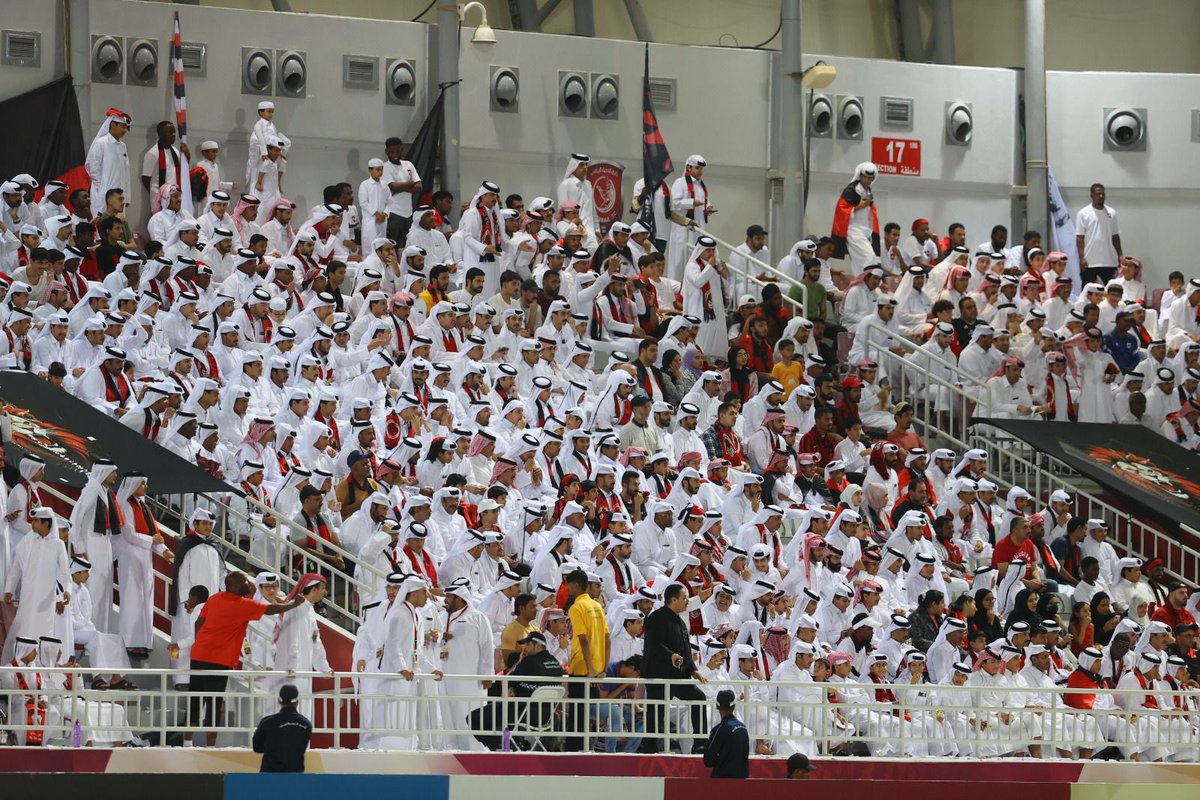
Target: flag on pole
(425, 150)
(179, 98)
(1063, 232)
(656, 161)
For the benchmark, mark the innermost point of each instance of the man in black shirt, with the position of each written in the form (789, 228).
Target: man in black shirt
(728, 751)
(282, 738)
(667, 653)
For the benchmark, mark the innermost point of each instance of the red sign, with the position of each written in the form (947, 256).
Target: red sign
(896, 156)
(606, 192)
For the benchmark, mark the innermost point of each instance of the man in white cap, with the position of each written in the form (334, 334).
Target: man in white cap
(691, 206)
(37, 569)
(107, 159)
(466, 648)
(256, 153)
(209, 151)
(373, 198)
(575, 187)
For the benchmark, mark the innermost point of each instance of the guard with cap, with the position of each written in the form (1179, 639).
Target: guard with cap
(728, 750)
(283, 737)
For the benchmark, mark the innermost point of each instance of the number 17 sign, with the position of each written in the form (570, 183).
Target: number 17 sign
(896, 156)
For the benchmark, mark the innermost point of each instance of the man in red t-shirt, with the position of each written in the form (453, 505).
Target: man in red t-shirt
(1017, 542)
(220, 631)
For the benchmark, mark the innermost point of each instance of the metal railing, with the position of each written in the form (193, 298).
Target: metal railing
(791, 282)
(435, 712)
(1040, 474)
(243, 533)
(942, 407)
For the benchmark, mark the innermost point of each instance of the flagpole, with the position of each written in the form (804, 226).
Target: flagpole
(179, 101)
(789, 224)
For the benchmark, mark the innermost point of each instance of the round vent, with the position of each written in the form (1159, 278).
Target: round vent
(402, 82)
(820, 117)
(506, 89)
(256, 72)
(293, 74)
(143, 64)
(606, 98)
(107, 56)
(572, 95)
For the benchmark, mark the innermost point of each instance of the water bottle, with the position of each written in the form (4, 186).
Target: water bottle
(506, 738)
(77, 737)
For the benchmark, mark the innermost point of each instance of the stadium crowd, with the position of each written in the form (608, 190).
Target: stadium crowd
(572, 454)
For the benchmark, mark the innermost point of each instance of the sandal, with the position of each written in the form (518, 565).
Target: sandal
(98, 683)
(123, 685)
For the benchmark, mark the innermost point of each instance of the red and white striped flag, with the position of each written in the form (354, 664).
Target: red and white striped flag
(179, 98)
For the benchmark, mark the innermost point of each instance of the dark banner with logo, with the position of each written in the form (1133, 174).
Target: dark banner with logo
(1130, 461)
(69, 434)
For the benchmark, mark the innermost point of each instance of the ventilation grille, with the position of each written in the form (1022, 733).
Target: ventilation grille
(896, 113)
(662, 93)
(195, 58)
(360, 72)
(21, 49)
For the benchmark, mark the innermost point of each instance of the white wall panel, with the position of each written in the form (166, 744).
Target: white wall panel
(30, 15)
(334, 131)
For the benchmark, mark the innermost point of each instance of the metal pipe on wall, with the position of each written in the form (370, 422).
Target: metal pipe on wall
(77, 57)
(1036, 167)
(585, 18)
(790, 222)
(943, 32)
(447, 73)
(641, 27)
(527, 16)
(912, 45)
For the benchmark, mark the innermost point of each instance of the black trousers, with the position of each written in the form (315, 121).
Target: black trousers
(656, 693)
(1100, 275)
(207, 682)
(577, 714)
(397, 230)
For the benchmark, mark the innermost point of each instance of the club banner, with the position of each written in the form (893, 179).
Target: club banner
(1130, 461)
(68, 435)
(606, 192)
(44, 136)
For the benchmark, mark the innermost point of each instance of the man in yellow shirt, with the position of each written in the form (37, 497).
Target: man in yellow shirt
(589, 651)
(526, 608)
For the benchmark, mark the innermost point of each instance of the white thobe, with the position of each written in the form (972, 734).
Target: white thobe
(38, 568)
(108, 168)
(469, 651)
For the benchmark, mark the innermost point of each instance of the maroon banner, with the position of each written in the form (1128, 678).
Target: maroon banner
(606, 179)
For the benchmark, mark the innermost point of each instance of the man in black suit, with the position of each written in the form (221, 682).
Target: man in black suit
(667, 654)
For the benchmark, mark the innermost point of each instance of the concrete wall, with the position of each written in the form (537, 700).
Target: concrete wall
(1155, 36)
(1154, 192)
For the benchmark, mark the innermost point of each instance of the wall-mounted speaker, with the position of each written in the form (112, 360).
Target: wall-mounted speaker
(1125, 130)
(572, 94)
(820, 117)
(258, 71)
(108, 59)
(606, 96)
(504, 89)
(850, 118)
(141, 69)
(960, 123)
(291, 72)
(400, 83)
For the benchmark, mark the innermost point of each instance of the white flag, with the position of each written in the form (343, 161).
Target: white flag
(1063, 234)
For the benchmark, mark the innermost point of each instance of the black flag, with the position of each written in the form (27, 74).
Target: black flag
(426, 147)
(48, 141)
(656, 161)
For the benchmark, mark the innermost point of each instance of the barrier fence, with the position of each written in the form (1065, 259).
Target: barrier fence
(434, 712)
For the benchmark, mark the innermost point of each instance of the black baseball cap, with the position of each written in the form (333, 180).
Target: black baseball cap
(799, 761)
(725, 699)
(755, 230)
(533, 637)
(289, 694)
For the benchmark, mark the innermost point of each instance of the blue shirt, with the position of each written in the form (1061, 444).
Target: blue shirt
(1123, 349)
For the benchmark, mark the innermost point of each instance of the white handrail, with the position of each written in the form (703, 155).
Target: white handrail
(801, 305)
(411, 713)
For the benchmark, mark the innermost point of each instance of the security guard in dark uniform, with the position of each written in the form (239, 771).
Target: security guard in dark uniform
(282, 738)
